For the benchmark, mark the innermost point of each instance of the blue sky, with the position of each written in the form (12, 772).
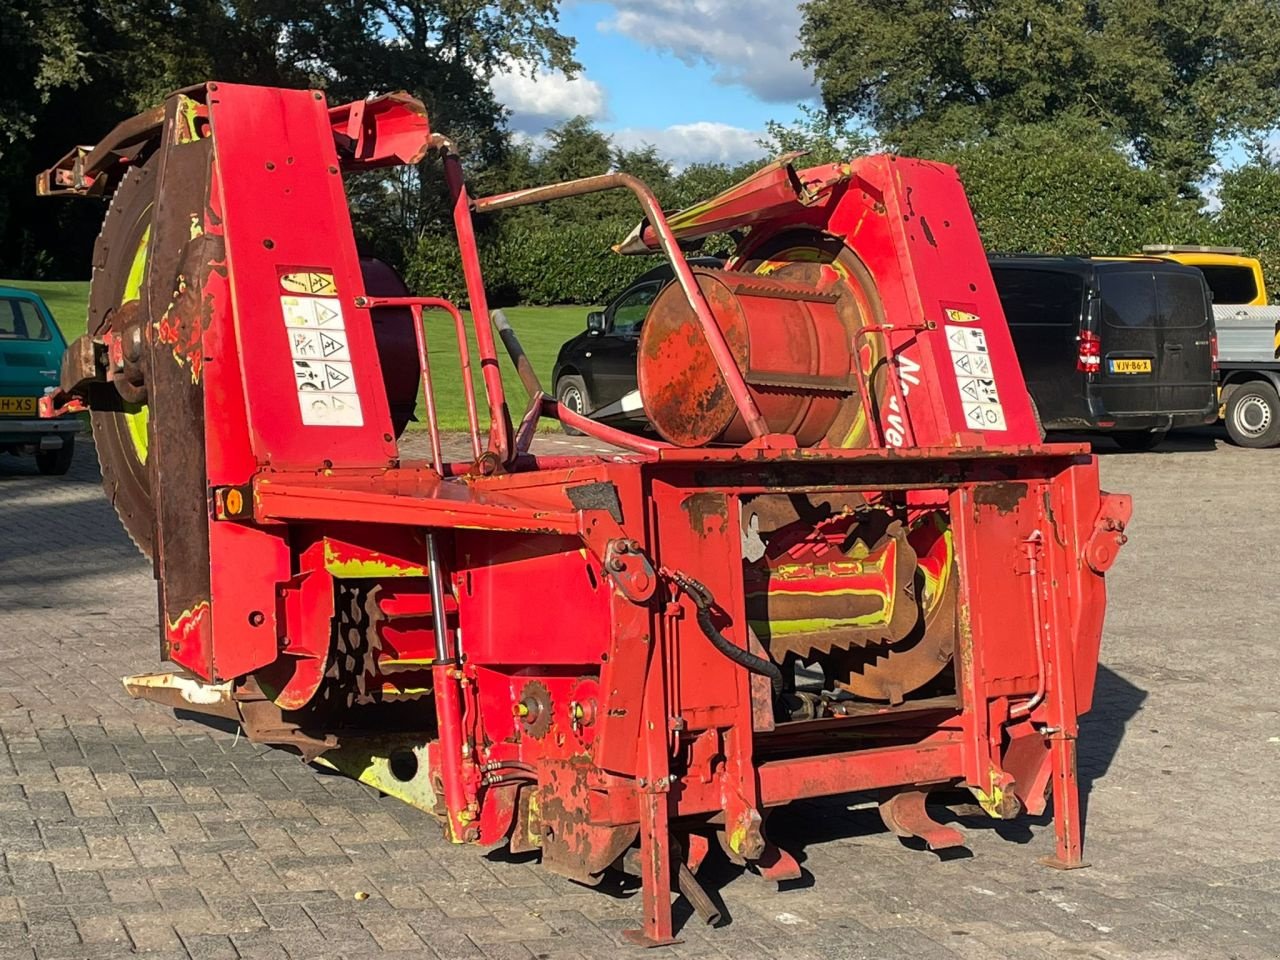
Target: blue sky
(696, 79)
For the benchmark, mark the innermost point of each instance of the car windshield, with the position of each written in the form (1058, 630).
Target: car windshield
(20, 319)
(630, 311)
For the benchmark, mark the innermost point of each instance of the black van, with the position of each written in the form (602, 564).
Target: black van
(1124, 345)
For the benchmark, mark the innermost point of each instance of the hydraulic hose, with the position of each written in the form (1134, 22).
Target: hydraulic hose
(703, 600)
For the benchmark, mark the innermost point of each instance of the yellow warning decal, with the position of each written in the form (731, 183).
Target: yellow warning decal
(312, 282)
(961, 316)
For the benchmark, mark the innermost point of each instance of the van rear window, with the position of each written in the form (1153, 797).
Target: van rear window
(1128, 298)
(21, 320)
(1181, 299)
(1145, 299)
(1039, 297)
(1231, 284)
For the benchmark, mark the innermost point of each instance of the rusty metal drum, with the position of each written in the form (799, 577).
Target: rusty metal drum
(789, 341)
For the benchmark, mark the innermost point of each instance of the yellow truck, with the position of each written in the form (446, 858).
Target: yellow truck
(1248, 339)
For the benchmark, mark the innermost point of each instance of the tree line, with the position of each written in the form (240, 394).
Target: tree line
(1078, 126)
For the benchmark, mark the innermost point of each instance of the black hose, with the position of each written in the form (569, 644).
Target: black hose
(702, 599)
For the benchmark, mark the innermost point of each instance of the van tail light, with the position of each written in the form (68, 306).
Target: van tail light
(1090, 358)
(1213, 349)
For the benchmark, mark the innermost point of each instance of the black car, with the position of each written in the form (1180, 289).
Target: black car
(595, 372)
(1119, 345)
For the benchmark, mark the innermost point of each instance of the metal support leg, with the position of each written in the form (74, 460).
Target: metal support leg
(1066, 805)
(655, 873)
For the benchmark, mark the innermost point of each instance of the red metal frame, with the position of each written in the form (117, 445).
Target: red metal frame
(576, 703)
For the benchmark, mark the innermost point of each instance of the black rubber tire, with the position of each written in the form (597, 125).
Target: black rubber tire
(1138, 441)
(571, 390)
(1253, 415)
(1035, 415)
(55, 463)
(125, 477)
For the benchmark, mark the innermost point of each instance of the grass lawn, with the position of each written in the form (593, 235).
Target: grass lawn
(541, 331)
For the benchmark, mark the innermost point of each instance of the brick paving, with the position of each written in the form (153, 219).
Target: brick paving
(126, 831)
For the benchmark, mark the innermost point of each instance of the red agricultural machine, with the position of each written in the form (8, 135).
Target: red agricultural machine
(848, 565)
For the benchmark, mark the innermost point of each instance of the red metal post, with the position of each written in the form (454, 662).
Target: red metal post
(499, 420)
(444, 674)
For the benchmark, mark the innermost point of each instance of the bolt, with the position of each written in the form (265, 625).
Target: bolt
(617, 564)
(256, 619)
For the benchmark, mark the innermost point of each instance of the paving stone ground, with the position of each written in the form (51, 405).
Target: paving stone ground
(126, 831)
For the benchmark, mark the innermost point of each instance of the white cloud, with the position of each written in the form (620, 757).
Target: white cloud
(746, 42)
(539, 98)
(702, 142)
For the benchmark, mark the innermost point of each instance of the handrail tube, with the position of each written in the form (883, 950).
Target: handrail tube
(593, 428)
(424, 366)
(417, 305)
(499, 421)
(653, 210)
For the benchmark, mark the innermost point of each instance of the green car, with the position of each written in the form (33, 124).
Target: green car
(31, 348)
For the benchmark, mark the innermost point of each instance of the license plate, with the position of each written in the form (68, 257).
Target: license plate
(17, 406)
(1129, 366)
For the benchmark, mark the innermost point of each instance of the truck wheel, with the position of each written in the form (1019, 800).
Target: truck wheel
(55, 463)
(1138, 441)
(571, 390)
(1253, 415)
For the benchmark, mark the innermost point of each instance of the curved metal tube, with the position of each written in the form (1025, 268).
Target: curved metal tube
(666, 239)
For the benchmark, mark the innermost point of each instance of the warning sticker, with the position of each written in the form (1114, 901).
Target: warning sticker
(320, 354)
(312, 312)
(330, 409)
(318, 344)
(314, 283)
(971, 362)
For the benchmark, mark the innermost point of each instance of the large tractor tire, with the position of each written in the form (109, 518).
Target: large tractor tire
(118, 291)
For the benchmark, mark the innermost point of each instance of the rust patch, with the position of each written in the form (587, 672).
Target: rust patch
(708, 513)
(1005, 497)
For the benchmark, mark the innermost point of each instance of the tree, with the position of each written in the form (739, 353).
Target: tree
(75, 68)
(1174, 78)
(822, 138)
(1065, 188)
(1250, 213)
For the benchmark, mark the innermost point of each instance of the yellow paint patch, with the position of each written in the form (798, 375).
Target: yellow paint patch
(372, 565)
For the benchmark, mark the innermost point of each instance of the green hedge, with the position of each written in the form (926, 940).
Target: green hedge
(532, 262)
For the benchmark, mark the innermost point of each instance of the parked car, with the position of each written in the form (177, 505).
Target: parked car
(31, 348)
(595, 372)
(1248, 369)
(1120, 345)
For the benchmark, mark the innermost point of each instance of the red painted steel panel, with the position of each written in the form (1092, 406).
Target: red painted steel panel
(285, 213)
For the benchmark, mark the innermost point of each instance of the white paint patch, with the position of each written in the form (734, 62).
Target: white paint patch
(790, 919)
(321, 357)
(975, 379)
